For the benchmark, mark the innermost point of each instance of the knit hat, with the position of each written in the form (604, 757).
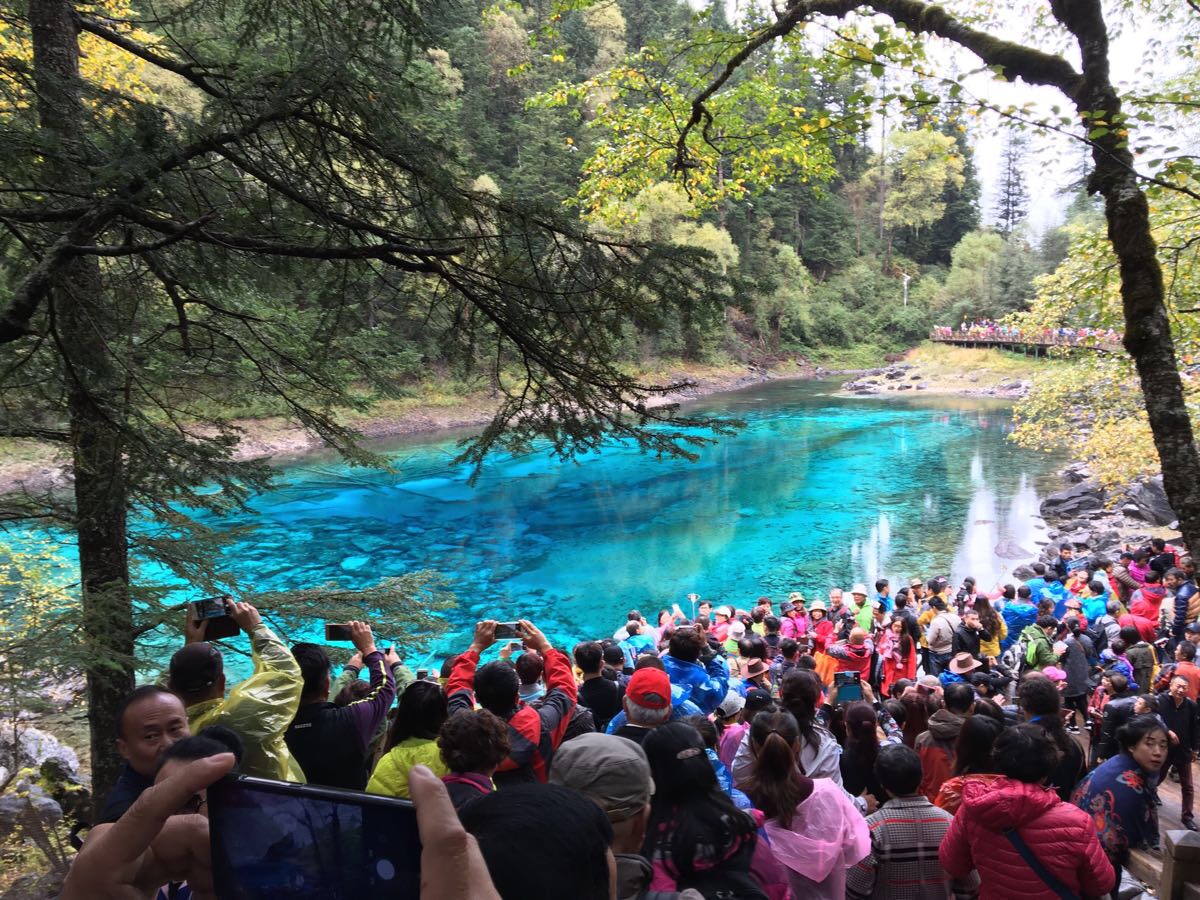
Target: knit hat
(649, 688)
(612, 771)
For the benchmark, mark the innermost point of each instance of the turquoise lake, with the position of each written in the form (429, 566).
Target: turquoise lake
(816, 491)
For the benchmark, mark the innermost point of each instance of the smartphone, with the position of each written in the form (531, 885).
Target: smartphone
(273, 839)
(849, 687)
(337, 632)
(514, 646)
(508, 630)
(422, 674)
(214, 611)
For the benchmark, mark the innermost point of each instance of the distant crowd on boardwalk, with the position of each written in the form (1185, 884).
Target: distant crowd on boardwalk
(986, 330)
(934, 740)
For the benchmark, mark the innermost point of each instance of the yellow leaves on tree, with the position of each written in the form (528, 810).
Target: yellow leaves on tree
(100, 63)
(1092, 407)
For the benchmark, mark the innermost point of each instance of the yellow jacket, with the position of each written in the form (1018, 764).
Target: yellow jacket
(923, 620)
(992, 647)
(391, 774)
(260, 709)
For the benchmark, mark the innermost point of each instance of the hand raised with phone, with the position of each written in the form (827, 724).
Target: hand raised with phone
(245, 615)
(361, 637)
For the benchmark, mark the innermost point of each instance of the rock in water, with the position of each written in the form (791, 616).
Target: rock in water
(1151, 502)
(1010, 549)
(1023, 573)
(354, 563)
(1079, 498)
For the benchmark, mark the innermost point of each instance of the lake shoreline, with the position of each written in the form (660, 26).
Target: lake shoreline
(41, 470)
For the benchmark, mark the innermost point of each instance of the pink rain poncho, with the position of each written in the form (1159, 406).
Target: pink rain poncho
(827, 835)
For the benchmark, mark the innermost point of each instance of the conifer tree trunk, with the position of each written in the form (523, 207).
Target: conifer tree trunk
(81, 319)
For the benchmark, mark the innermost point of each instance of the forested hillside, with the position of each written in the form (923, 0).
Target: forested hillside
(841, 235)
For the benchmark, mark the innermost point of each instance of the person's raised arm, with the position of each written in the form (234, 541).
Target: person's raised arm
(561, 691)
(460, 686)
(370, 710)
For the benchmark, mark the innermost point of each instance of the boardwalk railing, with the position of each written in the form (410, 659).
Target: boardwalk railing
(1035, 345)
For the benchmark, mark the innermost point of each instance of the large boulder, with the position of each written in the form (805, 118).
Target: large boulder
(1023, 573)
(1151, 502)
(32, 747)
(1075, 500)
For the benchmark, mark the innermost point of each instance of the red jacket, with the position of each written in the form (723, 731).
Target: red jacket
(1061, 836)
(1146, 628)
(853, 659)
(936, 749)
(535, 732)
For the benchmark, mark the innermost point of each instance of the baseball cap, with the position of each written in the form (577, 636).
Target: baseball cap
(723, 611)
(737, 631)
(612, 771)
(650, 688)
(731, 705)
(195, 668)
(1054, 673)
(1193, 628)
(859, 588)
(757, 698)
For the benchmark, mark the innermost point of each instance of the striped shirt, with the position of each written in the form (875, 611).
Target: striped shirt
(903, 864)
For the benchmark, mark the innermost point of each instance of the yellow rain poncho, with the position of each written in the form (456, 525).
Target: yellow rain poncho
(260, 709)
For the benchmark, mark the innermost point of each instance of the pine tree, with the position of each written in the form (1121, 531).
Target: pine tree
(1013, 203)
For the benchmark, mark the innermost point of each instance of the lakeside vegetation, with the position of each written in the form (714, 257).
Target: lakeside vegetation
(254, 216)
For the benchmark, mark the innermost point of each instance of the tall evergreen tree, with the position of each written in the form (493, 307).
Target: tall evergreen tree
(1012, 203)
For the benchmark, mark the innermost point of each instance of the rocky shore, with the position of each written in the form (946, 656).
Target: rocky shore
(1099, 523)
(901, 377)
(39, 469)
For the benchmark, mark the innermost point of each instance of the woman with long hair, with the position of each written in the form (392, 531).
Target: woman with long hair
(898, 655)
(993, 626)
(859, 751)
(695, 836)
(973, 760)
(800, 694)
(815, 830)
(1119, 795)
(413, 740)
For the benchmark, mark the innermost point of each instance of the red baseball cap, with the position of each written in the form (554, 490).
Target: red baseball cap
(650, 688)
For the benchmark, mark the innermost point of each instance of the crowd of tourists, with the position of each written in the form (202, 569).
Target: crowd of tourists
(931, 740)
(1000, 332)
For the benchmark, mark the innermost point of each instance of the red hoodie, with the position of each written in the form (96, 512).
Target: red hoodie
(1061, 836)
(1147, 601)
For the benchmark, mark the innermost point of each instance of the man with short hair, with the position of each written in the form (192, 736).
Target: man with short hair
(1037, 584)
(968, 635)
(839, 613)
(613, 773)
(861, 608)
(854, 655)
(542, 840)
(259, 709)
(1039, 649)
(635, 641)
(597, 693)
(905, 835)
(534, 733)
(883, 593)
(529, 668)
(1187, 601)
(935, 746)
(149, 720)
(1141, 656)
(1178, 712)
(330, 742)
(1062, 563)
(647, 704)
(1191, 634)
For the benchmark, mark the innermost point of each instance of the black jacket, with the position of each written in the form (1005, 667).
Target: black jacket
(128, 788)
(1181, 720)
(967, 641)
(1185, 593)
(1117, 712)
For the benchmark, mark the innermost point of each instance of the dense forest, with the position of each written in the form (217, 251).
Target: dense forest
(843, 238)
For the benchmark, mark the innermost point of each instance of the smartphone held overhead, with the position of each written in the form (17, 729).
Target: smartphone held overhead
(849, 687)
(508, 631)
(214, 612)
(338, 631)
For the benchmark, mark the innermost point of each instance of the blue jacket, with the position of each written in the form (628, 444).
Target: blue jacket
(681, 708)
(1037, 587)
(1186, 591)
(1017, 616)
(886, 601)
(706, 686)
(1059, 592)
(1095, 607)
(635, 644)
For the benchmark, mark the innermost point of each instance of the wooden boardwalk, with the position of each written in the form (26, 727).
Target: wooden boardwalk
(1027, 346)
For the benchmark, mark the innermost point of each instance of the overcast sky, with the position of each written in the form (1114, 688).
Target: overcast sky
(1054, 160)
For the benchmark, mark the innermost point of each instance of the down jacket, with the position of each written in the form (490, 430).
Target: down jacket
(1061, 836)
